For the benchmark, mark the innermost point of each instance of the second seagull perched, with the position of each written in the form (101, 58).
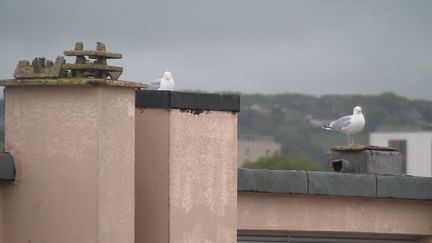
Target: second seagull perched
(165, 83)
(349, 125)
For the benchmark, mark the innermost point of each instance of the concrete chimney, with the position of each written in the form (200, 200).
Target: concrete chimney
(365, 159)
(72, 139)
(186, 167)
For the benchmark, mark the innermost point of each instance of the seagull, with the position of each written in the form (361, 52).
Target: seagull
(165, 83)
(349, 125)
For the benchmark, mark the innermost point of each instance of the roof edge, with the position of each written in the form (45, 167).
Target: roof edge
(334, 184)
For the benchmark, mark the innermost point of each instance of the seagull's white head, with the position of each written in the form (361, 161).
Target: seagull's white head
(357, 110)
(167, 75)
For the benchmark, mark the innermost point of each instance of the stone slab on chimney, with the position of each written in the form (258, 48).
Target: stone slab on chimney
(365, 159)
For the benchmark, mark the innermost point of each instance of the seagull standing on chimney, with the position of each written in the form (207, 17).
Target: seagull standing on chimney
(349, 125)
(167, 82)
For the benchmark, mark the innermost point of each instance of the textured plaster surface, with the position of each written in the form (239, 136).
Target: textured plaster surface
(264, 211)
(203, 177)
(73, 148)
(152, 175)
(116, 158)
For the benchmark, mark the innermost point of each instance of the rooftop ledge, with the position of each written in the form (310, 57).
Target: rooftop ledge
(187, 101)
(72, 82)
(334, 184)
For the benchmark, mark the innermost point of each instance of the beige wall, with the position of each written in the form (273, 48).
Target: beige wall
(74, 152)
(265, 211)
(189, 161)
(203, 177)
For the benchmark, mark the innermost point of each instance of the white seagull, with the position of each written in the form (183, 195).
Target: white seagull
(165, 83)
(349, 125)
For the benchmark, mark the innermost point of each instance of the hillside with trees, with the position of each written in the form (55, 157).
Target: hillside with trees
(295, 120)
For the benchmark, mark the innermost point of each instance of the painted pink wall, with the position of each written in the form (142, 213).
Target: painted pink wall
(268, 211)
(74, 152)
(152, 175)
(186, 176)
(203, 177)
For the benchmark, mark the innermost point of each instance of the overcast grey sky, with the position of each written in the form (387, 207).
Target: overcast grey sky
(269, 46)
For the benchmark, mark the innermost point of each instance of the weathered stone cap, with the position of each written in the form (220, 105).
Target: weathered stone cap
(72, 82)
(187, 101)
(7, 167)
(334, 184)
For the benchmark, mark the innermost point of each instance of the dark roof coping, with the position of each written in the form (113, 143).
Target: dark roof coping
(334, 184)
(187, 101)
(7, 167)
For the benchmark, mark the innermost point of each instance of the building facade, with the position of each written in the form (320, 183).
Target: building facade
(415, 147)
(251, 148)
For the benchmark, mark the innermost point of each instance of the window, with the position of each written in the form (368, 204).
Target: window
(400, 145)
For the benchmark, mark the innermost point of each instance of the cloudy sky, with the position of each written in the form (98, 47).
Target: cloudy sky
(268, 46)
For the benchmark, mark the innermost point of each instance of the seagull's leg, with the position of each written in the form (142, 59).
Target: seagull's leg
(352, 139)
(349, 142)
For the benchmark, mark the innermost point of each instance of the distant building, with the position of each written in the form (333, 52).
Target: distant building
(251, 148)
(415, 147)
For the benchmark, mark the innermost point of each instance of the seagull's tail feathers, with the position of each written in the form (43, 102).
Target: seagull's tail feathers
(327, 126)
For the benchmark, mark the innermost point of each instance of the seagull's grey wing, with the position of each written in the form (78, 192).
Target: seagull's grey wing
(340, 123)
(155, 84)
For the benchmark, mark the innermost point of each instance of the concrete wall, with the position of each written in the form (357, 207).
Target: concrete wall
(419, 149)
(74, 152)
(186, 175)
(271, 211)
